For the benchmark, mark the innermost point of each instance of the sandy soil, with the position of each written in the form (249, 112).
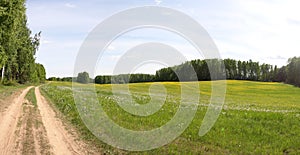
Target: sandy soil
(8, 123)
(26, 128)
(60, 139)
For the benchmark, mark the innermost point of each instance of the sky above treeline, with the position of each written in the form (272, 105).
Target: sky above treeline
(261, 30)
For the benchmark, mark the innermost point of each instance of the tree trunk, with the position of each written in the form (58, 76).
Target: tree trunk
(2, 75)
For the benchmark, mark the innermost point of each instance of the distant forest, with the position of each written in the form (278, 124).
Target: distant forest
(232, 70)
(18, 46)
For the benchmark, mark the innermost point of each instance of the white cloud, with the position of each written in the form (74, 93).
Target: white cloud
(69, 5)
(157, 2)
(278, 57)
(263, 31)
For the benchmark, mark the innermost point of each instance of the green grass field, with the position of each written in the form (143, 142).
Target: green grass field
(257, 117)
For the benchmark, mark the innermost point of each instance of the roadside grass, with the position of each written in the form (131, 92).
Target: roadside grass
(7, 94)
(258, 117)
(6, 91)
(30, 96)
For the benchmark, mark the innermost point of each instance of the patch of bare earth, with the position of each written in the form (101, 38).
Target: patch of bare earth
(32, 137)
(61, 140)
(9, 123)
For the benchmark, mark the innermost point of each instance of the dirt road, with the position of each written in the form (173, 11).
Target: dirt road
(8, 124)
(27, 128)
(59, 138)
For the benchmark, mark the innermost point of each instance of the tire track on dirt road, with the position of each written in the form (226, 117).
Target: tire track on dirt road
(8, 124)
(60, 140)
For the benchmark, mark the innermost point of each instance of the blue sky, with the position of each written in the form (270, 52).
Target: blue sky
(264, 31)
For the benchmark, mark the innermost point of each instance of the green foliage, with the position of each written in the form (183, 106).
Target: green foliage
(7, 90)
(10, 83)
(293, 71)
(41, 72)
(17, 47)
(53, 79)
(265, 122)
(209, 69)
(66, 79)
(124, 78)
(83, 77)
(234, 70)
(3, 57)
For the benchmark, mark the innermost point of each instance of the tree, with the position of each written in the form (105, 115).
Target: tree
(83, 77)
(67, 79)
(239, 76)
(52, 79)
(17, 47)
(3, 59)
(281, 75)
(244, 70)
(293, 71)
(41, 72)
(230, 68)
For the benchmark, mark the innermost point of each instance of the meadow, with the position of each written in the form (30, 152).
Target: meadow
(257, 117)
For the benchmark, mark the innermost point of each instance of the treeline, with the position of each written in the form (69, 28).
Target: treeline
(124, 78)
(106, 79)
(234, 70)
(66, 79)
(17, 46)
(228, 68)
(200, 70)
(81, 78)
